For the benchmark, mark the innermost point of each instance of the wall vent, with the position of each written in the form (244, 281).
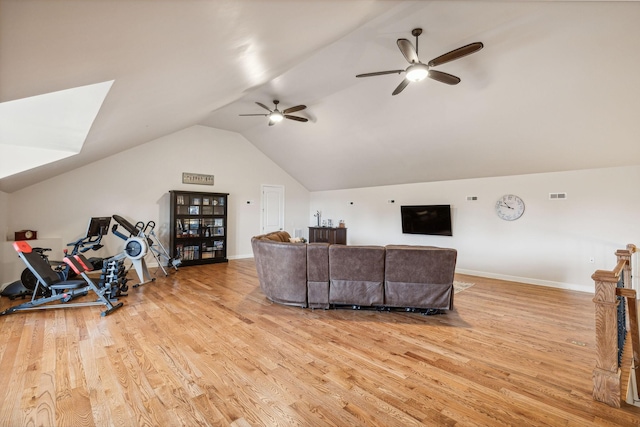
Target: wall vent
(470, 198)
(557, 196)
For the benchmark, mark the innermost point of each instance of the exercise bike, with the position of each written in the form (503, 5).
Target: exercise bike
(97, 228)
(60, 292)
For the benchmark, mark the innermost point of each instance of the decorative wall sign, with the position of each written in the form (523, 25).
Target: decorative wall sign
(197, 178)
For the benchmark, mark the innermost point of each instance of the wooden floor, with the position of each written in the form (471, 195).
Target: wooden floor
(204, 347)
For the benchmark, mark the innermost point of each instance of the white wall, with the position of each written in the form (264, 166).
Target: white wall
(4, 216)
(135, 184)
(4, 219)
(551, 244)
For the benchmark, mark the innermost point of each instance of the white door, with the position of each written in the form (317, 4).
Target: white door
(272, 208)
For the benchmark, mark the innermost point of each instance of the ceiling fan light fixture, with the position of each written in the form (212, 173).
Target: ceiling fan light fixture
(276, 117)
(417, 72)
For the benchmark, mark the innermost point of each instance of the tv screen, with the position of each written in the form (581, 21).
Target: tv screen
(98, 226)
(426, 219)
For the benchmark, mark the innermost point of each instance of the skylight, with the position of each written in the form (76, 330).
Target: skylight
(45, 128)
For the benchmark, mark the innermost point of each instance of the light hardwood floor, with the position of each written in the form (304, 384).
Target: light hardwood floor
(204, 347)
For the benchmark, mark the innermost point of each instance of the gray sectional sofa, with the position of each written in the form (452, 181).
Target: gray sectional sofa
(320, 275)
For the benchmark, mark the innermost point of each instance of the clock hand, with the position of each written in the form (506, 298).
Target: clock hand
(506, 205)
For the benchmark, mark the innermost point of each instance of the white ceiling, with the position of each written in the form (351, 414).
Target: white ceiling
(555, 88)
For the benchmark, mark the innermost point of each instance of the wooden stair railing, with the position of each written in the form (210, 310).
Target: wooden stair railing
(608, 286)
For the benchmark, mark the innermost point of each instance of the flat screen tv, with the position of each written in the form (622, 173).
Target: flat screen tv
(427, 219)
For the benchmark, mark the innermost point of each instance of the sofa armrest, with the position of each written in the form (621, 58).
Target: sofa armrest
(282, 271)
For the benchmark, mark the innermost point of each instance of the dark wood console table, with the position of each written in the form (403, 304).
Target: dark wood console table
(333, 235)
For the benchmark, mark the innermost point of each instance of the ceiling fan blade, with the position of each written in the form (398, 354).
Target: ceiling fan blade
(294, 109)
(253, 114)
(401, 87)
(264, 106)
(456, 54)
(380, 73)
(408, 51)
(299, 119)
(444, 77)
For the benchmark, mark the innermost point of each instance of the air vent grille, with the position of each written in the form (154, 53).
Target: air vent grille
(557, 196)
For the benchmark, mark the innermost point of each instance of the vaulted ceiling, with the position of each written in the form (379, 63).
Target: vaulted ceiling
(556, 86)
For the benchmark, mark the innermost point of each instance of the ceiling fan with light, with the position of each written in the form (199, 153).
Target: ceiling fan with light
(276, 116)
(417, 70)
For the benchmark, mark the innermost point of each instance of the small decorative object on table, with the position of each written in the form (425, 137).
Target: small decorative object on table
(26, 235)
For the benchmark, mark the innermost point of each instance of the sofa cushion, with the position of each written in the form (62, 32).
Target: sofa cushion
(419, 276)
(356, 275)
(318, 275)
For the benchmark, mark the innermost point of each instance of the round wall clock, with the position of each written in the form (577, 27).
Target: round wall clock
(509, 207)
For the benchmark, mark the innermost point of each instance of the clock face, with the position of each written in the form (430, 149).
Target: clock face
(28, 234)
(510, 207)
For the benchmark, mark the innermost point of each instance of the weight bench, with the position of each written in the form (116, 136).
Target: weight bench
(55, 289)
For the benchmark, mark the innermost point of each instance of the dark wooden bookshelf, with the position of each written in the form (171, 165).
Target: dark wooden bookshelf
(198, 227)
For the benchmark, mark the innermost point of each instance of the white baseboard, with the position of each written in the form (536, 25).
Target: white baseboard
(241, 256)
(527, 280)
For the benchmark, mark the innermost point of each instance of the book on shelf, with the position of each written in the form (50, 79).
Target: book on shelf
(191, 252)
